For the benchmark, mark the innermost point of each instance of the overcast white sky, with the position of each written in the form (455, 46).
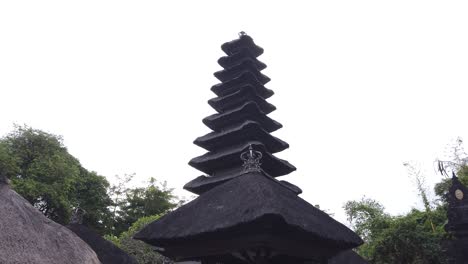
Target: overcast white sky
(360, 86)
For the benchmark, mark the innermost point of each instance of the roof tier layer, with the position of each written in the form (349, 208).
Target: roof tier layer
(203, 183)
(243, 54)
(224, 161)
(248, 111)
(247, 131)
(240, 97)
(243, 78)
(251, 211)
(243, 42)
(247, 65)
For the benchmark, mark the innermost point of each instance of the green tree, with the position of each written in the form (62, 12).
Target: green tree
(44, 173)
(118, 192)
(153, 199)
(416, 237)
(143, 252)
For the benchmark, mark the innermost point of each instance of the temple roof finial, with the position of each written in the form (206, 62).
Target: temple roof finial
(251, 160)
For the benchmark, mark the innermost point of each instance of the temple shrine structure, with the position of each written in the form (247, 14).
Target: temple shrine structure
(457, 225)
(244, 213)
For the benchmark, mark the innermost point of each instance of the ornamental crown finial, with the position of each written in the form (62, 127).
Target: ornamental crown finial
(251, 160)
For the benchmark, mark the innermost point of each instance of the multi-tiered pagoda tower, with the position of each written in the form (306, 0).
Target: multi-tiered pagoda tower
(244, 214)
(241, 120)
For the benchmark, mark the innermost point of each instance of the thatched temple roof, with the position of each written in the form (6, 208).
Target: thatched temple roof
(249, 211)
(27, 236)
(107, 252)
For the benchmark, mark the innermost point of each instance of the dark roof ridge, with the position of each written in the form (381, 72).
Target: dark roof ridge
(205, 161)
(244, 78)
(204, 183)
(247, 111)
(107, 252)
(225, 103)
(236, 70)
(234, 59)
(244, 41)
(280, 183)
(272, 143)
(264, 199)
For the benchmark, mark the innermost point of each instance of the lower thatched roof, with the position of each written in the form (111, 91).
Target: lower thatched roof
(254, 206)
(347, 257)
(27, 236)
(107, 252)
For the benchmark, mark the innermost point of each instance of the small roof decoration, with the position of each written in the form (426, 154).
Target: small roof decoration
(27, 236)
(244, 214)
(107, 252)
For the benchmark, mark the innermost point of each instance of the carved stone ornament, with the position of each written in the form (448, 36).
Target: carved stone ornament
(459, 194)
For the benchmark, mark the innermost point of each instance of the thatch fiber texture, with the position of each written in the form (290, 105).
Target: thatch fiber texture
(243, 200)
(107, 252)
(27, 236)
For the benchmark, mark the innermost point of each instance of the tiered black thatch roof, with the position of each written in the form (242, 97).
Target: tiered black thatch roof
(244, 214)
(241, 120)
(457, 215)
(27, 236)
(107, 252)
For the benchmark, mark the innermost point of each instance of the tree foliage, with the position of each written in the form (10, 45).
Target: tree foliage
(132, 204)
(42, 170)
(143, 252)
(415, 237)
(409, 238)
(44, 173)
